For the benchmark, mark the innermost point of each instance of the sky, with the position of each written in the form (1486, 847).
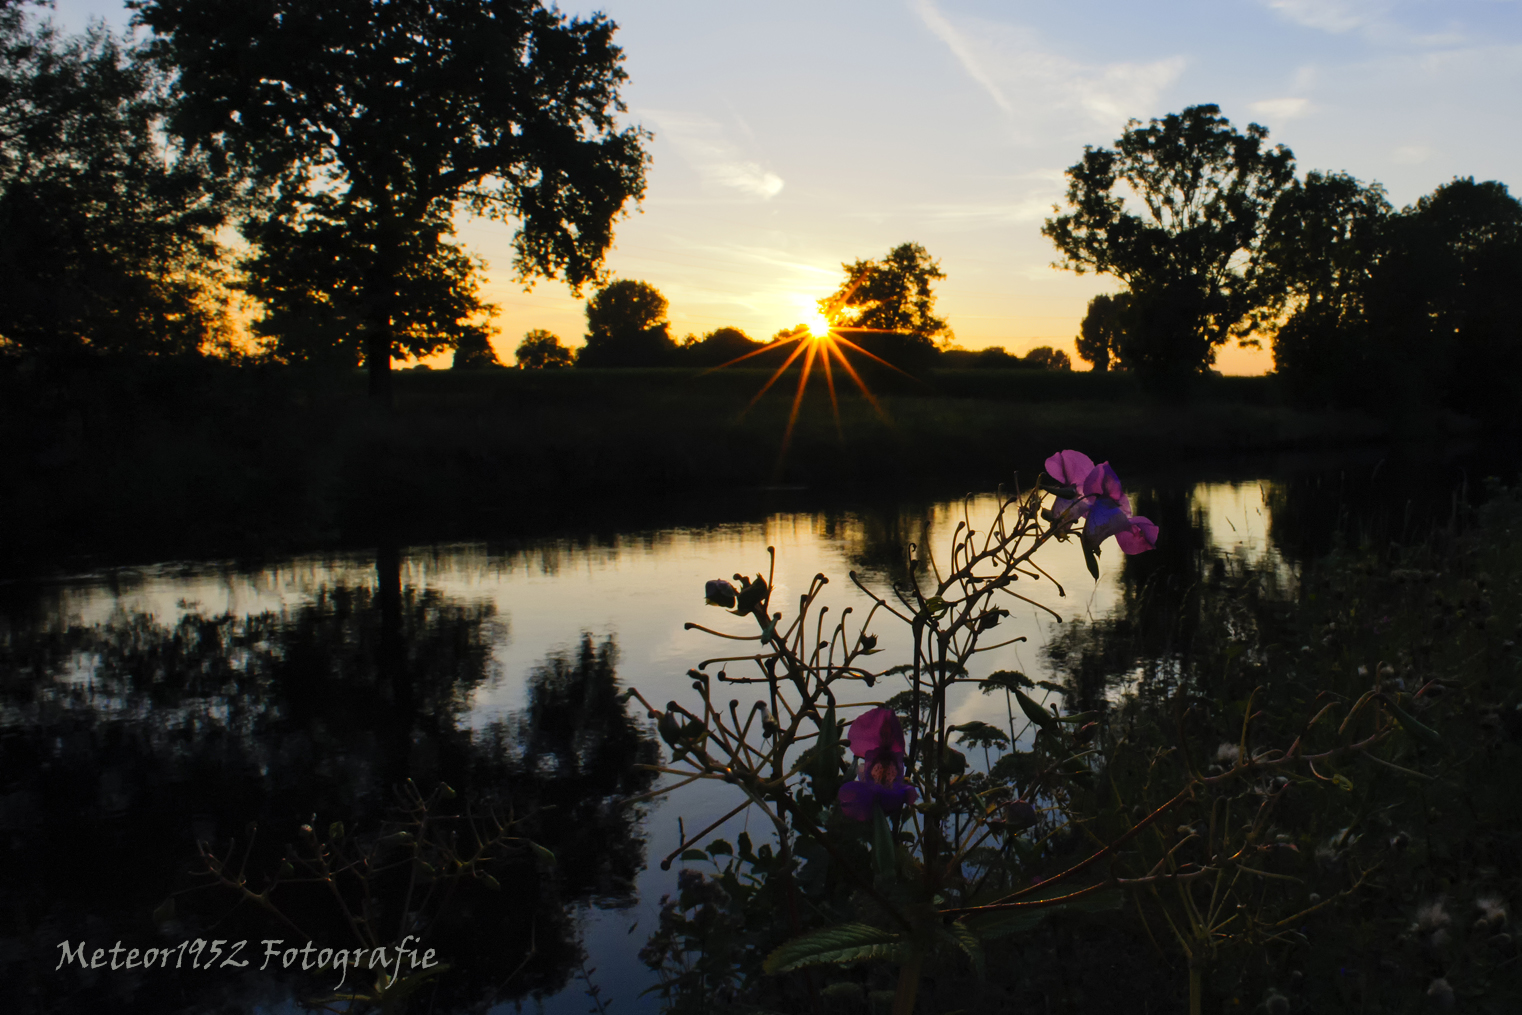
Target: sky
(792, 136)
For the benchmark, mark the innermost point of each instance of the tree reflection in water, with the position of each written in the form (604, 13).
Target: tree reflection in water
(124, 742)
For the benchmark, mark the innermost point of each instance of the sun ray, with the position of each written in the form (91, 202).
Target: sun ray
(859, 382)
(780, 370)
(744, 356)
(846, 341)
(829, 381)
(792, 417)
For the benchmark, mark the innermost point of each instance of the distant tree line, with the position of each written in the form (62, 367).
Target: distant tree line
(339, 138)
(884, 307)
(1364, 305)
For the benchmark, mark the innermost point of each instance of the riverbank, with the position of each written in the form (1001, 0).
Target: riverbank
(185, 458)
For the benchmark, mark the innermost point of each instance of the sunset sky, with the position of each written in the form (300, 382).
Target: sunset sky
(791, 136)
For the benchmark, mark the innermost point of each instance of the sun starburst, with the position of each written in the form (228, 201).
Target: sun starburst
(821, 340)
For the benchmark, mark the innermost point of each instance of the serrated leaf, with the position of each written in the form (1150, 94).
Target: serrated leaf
(967, 940)
(850, 942)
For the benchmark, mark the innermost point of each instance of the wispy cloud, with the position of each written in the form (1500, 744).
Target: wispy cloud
(1279, 111)
(962, 50)
(702, 144)
(1335, 16)
(1029, 82)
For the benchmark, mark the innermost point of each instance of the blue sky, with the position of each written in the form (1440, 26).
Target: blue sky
(793, 136)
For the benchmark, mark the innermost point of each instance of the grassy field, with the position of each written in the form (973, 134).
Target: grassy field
(187, 458)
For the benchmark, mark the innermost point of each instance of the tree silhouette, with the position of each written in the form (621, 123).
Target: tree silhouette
(542, 350)
(718, 347)
(106, 240)
(1189, 260)
(386, 116)
(312, 278)
(1324, 240)
(892, 295)
(626, 327)
(1102, 333)
(1044, 357)
(1444, 297)
(474, 350)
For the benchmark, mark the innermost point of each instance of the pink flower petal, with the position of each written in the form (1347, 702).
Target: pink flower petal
(1141, 537)
(1102, 482)
(1069, 466)
(876, 729)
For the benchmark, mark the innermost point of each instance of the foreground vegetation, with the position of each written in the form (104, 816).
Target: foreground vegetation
(186, 457)
(1347, 838)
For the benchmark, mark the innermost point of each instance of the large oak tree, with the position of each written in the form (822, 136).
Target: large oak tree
(1176, 210)
(388, 115)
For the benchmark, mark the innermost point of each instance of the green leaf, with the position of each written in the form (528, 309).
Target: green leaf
(720, 847)
(1419, 731)
(1089, 559)
(1342, 782)
(336, 831)
(1080, 718)
(1036, 713)
(692, 855)
(544, 855)
(968, 940)
(850, 942)
(165, 912)
(825, 767)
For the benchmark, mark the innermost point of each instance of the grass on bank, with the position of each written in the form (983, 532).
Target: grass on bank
(201, 457)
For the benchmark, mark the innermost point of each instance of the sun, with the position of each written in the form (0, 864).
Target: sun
(818, 343)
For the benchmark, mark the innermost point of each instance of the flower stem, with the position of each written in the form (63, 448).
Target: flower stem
(909, 985)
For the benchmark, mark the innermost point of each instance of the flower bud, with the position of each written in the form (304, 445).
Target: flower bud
(719, 592)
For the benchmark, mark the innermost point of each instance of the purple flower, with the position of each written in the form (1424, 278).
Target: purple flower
(1069, 468)
(1110, 514)
(1099, 499)
(877, 740)
(719, 592)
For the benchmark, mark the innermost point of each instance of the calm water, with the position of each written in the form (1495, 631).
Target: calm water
(143, 710)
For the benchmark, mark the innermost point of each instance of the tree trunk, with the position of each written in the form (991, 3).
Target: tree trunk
(378, 361)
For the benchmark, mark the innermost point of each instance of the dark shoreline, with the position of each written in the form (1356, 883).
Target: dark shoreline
(195, 460)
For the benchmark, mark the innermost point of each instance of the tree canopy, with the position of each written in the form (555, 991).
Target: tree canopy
(718, 347)
(892, 295)
(1390, 310)
(543, 350)
(1101, 336)
(384, 117)
(627, 327)
(107, 240)
(1188, 252)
